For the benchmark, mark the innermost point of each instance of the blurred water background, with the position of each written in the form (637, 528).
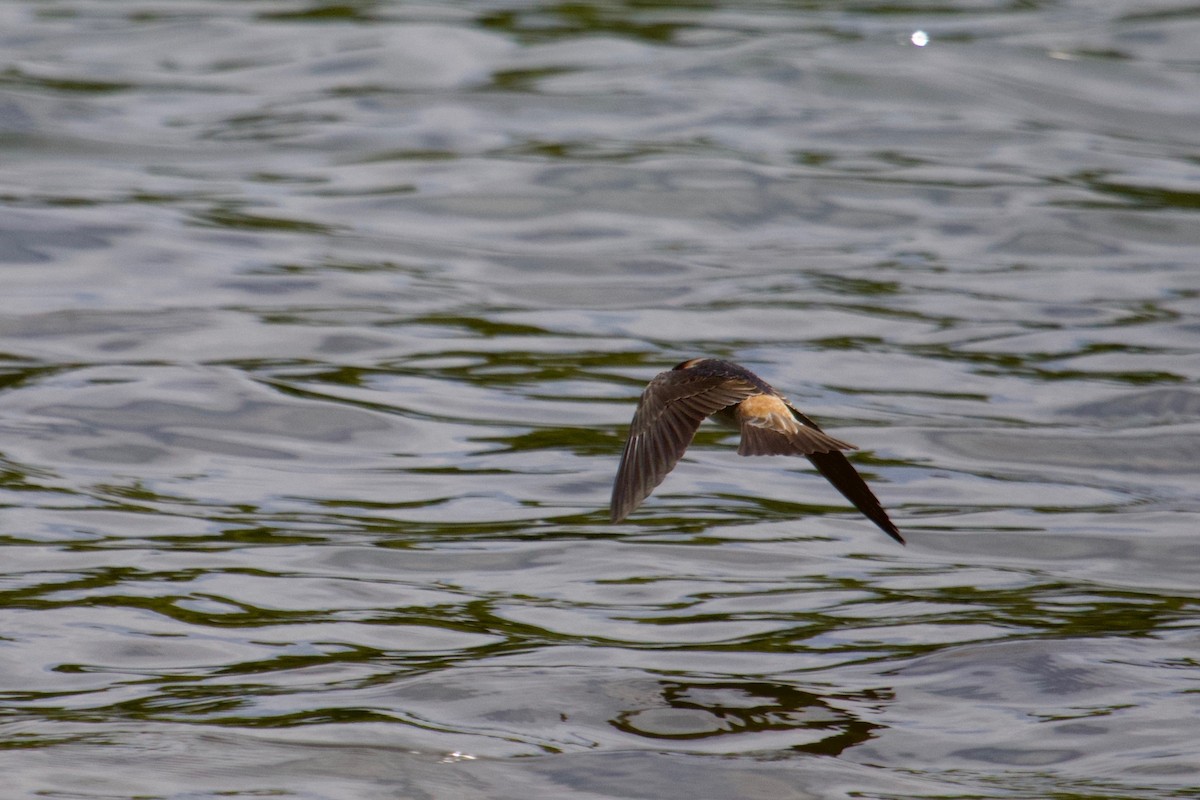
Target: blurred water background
(321, 326)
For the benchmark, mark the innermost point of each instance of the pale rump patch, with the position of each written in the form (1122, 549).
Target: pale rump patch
(767, 411)
(762, 405)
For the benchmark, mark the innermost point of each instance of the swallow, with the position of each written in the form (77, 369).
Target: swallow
(674, 404)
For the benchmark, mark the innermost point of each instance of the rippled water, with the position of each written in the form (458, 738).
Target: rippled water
(321, 327)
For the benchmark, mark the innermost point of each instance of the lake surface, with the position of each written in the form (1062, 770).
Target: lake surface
(321, 327)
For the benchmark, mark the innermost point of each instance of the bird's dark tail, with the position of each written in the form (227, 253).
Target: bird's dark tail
(838, 470)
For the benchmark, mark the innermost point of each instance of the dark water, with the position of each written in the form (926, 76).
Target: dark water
(321, 326)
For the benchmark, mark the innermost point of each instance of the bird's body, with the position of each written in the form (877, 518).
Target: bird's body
(677, 401)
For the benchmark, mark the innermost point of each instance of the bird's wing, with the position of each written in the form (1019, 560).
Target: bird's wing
(772, 426)
(838, 470)
(668, 414)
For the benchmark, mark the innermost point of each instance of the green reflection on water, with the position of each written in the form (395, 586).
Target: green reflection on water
(571, 20)
(231, 217)
(328, 12)
(17, 78)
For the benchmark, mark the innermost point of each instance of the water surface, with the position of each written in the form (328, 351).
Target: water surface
(321, 327)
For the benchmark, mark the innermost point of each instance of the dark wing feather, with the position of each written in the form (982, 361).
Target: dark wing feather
(668, 414)
(838, 470)
(759, 441)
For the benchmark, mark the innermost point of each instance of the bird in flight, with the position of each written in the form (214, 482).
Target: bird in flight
(675, 403)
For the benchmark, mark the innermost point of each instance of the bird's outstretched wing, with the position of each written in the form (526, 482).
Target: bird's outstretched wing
(771, 427)
(838, 470)
(668, 414)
